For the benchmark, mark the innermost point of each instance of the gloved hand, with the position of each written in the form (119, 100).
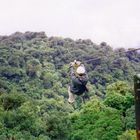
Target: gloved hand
(75, 63)
(72, 64)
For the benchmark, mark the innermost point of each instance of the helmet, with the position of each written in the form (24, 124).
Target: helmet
(80, 70)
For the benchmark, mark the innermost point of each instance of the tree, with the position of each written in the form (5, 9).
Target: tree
(128, 135)
(96, 121)
(33, 66)
(119, 96)
(130, 120)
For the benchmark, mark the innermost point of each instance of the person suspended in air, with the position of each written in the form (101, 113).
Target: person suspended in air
(79, 80)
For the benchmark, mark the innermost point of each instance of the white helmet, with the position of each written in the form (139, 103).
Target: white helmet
(80, 70)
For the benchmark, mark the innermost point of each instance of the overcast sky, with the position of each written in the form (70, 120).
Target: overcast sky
(116, 22)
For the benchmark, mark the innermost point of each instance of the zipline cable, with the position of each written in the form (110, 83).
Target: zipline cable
(98, 58)
(112, 55)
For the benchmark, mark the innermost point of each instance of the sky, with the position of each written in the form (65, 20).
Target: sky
(116, 22)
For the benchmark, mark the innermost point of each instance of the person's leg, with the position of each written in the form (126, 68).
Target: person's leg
(85, 97)
(72, 97)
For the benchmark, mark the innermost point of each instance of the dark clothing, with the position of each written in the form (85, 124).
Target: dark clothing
(78, 84)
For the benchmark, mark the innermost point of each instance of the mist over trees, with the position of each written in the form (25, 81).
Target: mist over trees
(33, 89)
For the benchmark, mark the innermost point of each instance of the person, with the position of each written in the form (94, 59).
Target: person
(79, 80)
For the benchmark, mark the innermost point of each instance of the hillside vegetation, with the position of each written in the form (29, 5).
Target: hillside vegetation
(33, 89)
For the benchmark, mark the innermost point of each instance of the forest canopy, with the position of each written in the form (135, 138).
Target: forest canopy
(33, 89)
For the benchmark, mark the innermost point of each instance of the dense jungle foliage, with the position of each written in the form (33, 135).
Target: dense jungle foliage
(33, 89)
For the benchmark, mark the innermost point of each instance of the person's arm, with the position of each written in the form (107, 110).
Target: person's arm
(73, 76)
(72, 68)
(71, 71)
